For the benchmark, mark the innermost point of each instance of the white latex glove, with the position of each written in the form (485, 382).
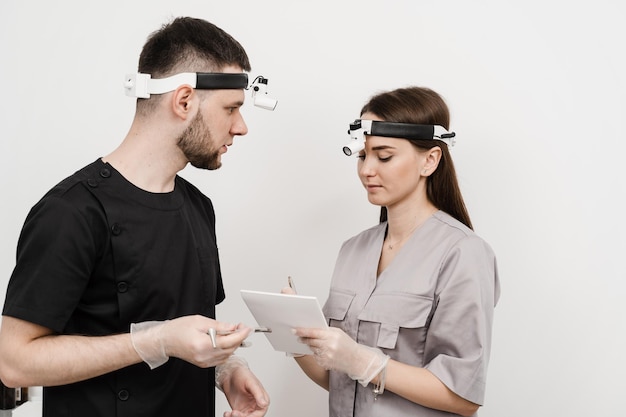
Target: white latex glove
(288, 291)
(225, 370)
(334, 349)
(243, 390)
(147, 341)
(185, 338)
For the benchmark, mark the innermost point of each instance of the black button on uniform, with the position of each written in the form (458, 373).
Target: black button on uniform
(105, 173)
(123, 395)
(92, 183)
(116, 229)
(122, 286)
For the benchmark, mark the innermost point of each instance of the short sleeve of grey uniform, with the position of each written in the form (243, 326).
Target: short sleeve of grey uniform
(459, 339)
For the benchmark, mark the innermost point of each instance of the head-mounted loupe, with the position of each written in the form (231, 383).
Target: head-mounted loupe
(362, 127)
(143, 85)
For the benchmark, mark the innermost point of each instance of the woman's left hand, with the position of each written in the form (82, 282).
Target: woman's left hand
(334, 349)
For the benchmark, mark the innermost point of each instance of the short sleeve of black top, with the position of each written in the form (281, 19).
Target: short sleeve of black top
(97, 253)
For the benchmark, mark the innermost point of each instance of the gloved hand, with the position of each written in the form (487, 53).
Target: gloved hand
(224, 371)
(334, 349)
(185, 338)
(242, 389)
(147, 341)
(288, 291)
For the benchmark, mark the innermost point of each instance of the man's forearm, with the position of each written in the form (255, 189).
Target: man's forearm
(31, 358)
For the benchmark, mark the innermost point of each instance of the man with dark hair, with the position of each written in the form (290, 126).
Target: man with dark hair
(118, 264)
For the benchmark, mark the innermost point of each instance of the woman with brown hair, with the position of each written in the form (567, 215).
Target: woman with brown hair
(411, 301)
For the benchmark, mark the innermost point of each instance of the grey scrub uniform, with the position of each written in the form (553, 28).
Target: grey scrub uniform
(432, 307)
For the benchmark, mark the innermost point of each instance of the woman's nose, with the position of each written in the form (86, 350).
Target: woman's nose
(366, 167)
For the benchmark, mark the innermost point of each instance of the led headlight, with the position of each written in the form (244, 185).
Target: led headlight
(259, 94)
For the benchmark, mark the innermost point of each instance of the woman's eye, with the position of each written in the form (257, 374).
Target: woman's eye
(380, 158)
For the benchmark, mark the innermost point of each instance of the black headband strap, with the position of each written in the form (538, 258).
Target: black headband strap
(403, 130)
(221, 80)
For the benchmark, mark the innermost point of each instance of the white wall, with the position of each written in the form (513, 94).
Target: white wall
(537, 93)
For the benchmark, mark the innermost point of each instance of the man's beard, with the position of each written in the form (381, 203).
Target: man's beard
(197, 145)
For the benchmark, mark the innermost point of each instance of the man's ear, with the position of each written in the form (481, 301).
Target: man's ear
(183, 101)
(431, 161)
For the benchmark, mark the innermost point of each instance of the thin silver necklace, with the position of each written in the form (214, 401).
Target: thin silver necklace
(391, 245)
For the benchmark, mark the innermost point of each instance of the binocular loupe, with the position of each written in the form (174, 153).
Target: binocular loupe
(361, 127)
(143, 85)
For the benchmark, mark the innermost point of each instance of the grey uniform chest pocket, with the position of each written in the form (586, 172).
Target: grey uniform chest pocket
(394, 311)
(337, 304)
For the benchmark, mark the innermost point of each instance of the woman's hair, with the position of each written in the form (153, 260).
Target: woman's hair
(419, 105)
(188, 44)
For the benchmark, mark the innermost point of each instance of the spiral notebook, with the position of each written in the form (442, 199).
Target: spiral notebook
(283, 312)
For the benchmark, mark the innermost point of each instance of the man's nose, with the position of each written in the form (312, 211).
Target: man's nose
(239, 128)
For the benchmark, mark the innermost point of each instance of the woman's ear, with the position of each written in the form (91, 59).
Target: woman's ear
(183, 101)
(431, 160)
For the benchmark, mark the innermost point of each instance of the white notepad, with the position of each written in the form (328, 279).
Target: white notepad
(283, 312)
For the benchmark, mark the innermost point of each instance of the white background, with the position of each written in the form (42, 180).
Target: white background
(537, 95)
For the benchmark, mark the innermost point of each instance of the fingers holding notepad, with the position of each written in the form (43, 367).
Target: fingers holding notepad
(291, 289)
